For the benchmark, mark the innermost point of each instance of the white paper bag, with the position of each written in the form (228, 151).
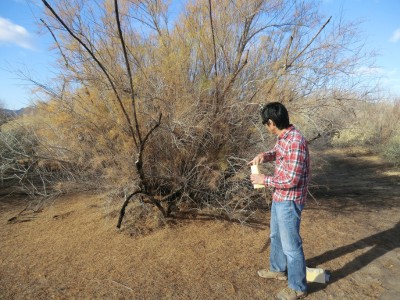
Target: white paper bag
(256, 170)
(316, 275)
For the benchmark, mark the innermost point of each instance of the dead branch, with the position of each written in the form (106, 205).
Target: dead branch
(286, 66)
(139, 162)
(56, 41)
(308, 45)
(128, 69)
(314, 138)
(102, 67)
(124, 205)
(213, 38)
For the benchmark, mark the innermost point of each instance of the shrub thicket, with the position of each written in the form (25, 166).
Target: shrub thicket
(373, 125)
(172, 109)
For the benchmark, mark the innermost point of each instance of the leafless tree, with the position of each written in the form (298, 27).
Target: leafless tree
(168, 110)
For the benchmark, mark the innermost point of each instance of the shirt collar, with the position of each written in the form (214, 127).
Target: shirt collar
(286, 132)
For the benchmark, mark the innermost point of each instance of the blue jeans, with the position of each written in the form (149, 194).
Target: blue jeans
(286, 244)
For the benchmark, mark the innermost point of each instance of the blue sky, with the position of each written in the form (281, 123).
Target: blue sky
(23, 47)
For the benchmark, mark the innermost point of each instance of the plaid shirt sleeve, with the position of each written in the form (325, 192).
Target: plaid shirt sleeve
(290, 167)
(269, 155)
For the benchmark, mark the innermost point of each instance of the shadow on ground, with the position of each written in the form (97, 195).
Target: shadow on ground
(380, 243)
(355, 187)
(355, 184)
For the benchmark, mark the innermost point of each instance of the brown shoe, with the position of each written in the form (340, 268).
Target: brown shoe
(289, 294)
(264, 273)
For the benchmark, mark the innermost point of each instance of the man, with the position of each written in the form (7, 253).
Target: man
(290, 180)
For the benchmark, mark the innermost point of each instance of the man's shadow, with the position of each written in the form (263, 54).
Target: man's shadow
(381, 243)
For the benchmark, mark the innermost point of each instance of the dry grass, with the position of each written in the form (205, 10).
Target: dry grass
(71, 250)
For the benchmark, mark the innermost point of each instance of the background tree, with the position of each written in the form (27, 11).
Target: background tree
(167, 109)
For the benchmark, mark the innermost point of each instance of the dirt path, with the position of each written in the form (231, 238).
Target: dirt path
(358, 237)
(71, 249)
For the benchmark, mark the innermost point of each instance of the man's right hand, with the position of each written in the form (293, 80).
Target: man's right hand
(259, 159)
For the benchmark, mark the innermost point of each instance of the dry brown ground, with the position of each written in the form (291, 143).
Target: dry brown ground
(71, 250)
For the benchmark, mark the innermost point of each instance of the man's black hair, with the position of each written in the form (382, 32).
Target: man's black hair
(276, 112)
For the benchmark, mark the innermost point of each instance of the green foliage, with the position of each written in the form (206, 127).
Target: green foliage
(392, 150)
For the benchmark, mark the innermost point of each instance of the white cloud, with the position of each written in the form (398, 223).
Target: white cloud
(395, 36)
(370, 71)
(11, 33)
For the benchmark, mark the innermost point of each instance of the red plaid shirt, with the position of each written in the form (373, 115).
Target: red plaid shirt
(292, 167)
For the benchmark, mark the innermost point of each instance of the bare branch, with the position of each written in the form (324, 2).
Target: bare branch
(55, 39)
(128, 69)
(213, 38)
(309, 44)
(123, 208)
(151, 130)
(101, 67)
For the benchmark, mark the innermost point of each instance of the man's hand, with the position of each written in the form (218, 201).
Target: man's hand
(259, 159)
(257, 178)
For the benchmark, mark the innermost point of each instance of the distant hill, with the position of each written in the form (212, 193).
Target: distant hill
(9, 114)
(12, 113)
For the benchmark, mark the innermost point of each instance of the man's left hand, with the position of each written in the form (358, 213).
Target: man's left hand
(257, 178)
